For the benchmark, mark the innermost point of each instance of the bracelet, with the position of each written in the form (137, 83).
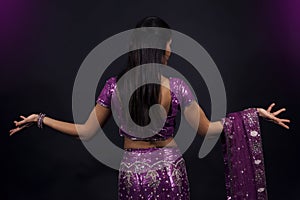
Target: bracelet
(40, 120)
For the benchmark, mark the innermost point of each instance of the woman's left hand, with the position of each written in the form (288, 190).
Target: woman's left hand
(271, 116)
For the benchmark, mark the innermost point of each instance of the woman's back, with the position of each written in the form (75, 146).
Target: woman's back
(170, 99)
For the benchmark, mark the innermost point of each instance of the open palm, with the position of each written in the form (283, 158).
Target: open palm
(272, 116)
(25, 122)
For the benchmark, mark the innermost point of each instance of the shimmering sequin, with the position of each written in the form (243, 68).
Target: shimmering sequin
(153, 173)
(180, 95)
(244, 170)
(156, 173)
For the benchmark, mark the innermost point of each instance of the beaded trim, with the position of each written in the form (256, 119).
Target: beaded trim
(40, 120)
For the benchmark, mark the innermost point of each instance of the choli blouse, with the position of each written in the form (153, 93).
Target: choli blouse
(181, 96)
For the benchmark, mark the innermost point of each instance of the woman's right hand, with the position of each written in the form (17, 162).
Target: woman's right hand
(25, 122)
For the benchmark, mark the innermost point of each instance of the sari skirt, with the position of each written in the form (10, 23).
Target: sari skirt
(153, 173)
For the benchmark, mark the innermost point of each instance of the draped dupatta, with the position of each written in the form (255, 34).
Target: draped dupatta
(243, 156)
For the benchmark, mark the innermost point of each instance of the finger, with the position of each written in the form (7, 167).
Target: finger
(16, 129)
(21, 122)
(13, 131)
(285, 120)
(23, 117)
(276, 120)
(270, 107)
(279, 122)
(279, 111)
(273, 118)
(28, 124)
(284, 125)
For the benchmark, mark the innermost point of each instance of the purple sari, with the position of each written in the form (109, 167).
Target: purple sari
(243, 156)
(160, 173)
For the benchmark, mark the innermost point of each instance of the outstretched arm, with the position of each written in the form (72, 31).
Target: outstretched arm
(98, 116)
(198, 120)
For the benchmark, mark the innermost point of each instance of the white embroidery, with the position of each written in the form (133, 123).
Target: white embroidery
(153, 175)
(141, 167)
(253, 133)
(261, 189)
(257, 162)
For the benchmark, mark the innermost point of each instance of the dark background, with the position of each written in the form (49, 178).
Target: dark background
(255, 45)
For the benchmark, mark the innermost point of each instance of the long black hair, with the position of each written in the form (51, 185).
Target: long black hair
(149, 94)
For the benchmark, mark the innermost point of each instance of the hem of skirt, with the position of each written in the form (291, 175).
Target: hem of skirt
(149, 149)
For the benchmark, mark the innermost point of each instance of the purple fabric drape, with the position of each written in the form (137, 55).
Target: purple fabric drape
(243, 156)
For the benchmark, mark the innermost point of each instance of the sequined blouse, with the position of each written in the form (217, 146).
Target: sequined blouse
(181, 96)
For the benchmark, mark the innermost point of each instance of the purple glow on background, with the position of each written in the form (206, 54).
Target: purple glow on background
(280, 20)
(14, 17)
(21, 22)
(18, 19)
(290, 13)
(284, 19)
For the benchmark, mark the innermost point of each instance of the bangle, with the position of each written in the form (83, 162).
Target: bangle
(40, 120)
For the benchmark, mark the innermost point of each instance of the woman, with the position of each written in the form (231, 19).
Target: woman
(152, 165)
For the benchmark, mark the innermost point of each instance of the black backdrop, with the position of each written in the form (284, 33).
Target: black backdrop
(254, 44)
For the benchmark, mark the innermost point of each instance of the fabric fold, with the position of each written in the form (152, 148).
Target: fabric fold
(243, 156)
